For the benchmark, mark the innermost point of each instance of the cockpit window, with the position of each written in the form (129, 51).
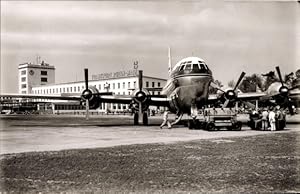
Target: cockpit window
(181, 68)
(202, 66)
(195, 67)
(188, 67)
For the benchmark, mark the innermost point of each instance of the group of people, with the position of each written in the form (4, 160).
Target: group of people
(271, 118)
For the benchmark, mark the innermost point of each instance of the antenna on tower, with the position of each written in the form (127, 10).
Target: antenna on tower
(38, 59)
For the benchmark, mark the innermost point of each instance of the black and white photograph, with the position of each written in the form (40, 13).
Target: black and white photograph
(129, 96)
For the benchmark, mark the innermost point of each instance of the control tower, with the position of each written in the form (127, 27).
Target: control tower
(35, 75)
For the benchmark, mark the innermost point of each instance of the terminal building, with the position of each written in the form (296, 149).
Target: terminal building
(40, 79)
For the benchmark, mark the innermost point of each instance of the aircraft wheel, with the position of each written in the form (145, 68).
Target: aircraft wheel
(197, 124)
(135, 119)
(210, 127)
(145, 118)
(190, 124)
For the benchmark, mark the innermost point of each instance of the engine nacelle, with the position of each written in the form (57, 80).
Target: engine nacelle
(229, 94)
(140, 96)
(276, 88)
(89, 94)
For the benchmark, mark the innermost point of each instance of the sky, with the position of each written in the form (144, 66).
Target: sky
(108, 36)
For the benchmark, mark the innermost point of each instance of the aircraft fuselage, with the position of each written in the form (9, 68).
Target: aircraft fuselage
(188, 85)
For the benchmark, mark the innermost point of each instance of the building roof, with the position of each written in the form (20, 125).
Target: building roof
(92, 81)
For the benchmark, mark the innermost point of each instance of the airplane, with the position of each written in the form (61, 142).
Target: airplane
(185, 92)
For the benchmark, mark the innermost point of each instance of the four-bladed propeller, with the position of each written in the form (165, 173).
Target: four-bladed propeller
(231, 94)
(88, 95)
(284, 92)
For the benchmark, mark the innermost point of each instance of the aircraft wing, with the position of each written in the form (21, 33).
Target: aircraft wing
(295, 93)
(154, 100)
(37, 96)
(255, 96)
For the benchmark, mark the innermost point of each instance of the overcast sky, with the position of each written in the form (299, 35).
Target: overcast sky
(107, 36)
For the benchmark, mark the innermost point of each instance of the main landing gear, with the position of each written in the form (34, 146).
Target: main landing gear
(136, 118)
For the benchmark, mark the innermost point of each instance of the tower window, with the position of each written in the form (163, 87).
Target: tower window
(23, 79)
(23, 72)
(23, 85)
(44, 79)
(44, 73)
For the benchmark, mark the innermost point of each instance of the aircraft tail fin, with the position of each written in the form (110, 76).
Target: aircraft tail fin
(170, 61)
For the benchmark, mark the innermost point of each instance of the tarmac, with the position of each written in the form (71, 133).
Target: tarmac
(107, 154)
(33, 133)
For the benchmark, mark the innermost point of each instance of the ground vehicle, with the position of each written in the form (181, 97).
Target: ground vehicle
(212, 119)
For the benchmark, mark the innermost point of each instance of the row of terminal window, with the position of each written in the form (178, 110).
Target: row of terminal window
(187, 65)
(79, 107)
(78, 88)
(42, 72)
(43, 79)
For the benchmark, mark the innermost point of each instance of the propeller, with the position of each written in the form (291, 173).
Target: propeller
(232, 93)
(140, 95)
(88, 95)
(284, 91)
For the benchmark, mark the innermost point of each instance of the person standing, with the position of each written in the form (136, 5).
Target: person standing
(272, 119)
(264, 119)
(166, 120)
(280, 120)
